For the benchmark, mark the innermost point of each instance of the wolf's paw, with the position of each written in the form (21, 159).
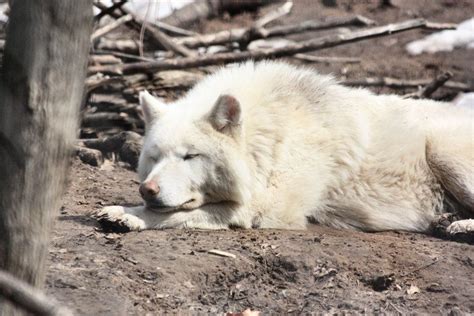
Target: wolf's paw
(461, 227)
(116, 219)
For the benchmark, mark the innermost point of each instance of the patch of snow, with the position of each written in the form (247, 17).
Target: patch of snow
(465, 100)
(445, 41)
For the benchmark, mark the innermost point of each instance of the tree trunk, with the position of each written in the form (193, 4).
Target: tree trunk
(41, 88)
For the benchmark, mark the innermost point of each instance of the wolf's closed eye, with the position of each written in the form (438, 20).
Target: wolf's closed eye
(190, 156)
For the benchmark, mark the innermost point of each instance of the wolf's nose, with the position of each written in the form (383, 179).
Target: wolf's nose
(149, 189)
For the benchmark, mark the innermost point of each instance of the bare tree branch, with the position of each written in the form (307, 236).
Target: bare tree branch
(395, 83)
(111, 26)
(238, 35)
(289, 50)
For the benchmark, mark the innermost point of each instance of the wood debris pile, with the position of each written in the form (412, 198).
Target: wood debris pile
(167, 57)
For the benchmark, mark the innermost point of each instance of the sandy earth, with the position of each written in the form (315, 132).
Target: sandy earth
(320, 270)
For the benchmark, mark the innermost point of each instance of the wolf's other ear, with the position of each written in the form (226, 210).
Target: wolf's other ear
(226, 114)
(152, 107)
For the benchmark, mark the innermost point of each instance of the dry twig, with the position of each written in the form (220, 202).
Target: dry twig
(326, 59)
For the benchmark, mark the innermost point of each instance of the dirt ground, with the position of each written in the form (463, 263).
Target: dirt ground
(317, 271)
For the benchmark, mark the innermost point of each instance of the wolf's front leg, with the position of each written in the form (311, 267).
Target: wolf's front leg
(121, 218)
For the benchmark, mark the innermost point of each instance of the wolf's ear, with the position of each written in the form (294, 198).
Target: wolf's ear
(226, 114)
(152, 107)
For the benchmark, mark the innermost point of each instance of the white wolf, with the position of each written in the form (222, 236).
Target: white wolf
(271, 145)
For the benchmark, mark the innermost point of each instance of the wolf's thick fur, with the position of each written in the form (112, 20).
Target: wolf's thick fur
(274, 146)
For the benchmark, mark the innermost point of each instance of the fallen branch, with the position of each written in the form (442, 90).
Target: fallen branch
(404, 84)
(326, 59)
(93, 83)
(110, 27)
(104, 10)
(113, 12)
(113, 103)
(238, 35)
(222, 253)
(173, 30)
(273, 15)
(438, 82)
(422, 267)
(103, 59)
(121, 45)
(123, 55)
(156, 37)
(168, 43)
(29, 298)
(257, 30)
(440, 26)
(289, 50)
(431, 87)
(159, 38)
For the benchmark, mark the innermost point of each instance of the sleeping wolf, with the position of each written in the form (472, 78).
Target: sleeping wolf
(270, 145)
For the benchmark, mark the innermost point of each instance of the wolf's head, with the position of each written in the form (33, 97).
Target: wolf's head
(187, 160)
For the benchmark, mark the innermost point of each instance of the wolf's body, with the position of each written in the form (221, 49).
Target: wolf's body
(275, 146)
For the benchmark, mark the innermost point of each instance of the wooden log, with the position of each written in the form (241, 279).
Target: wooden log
(238, 35)
(113, 103)
(121, 45)
(105, 120)
(90, 156)
(128, 145)
(289, 50)
(93, 83)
